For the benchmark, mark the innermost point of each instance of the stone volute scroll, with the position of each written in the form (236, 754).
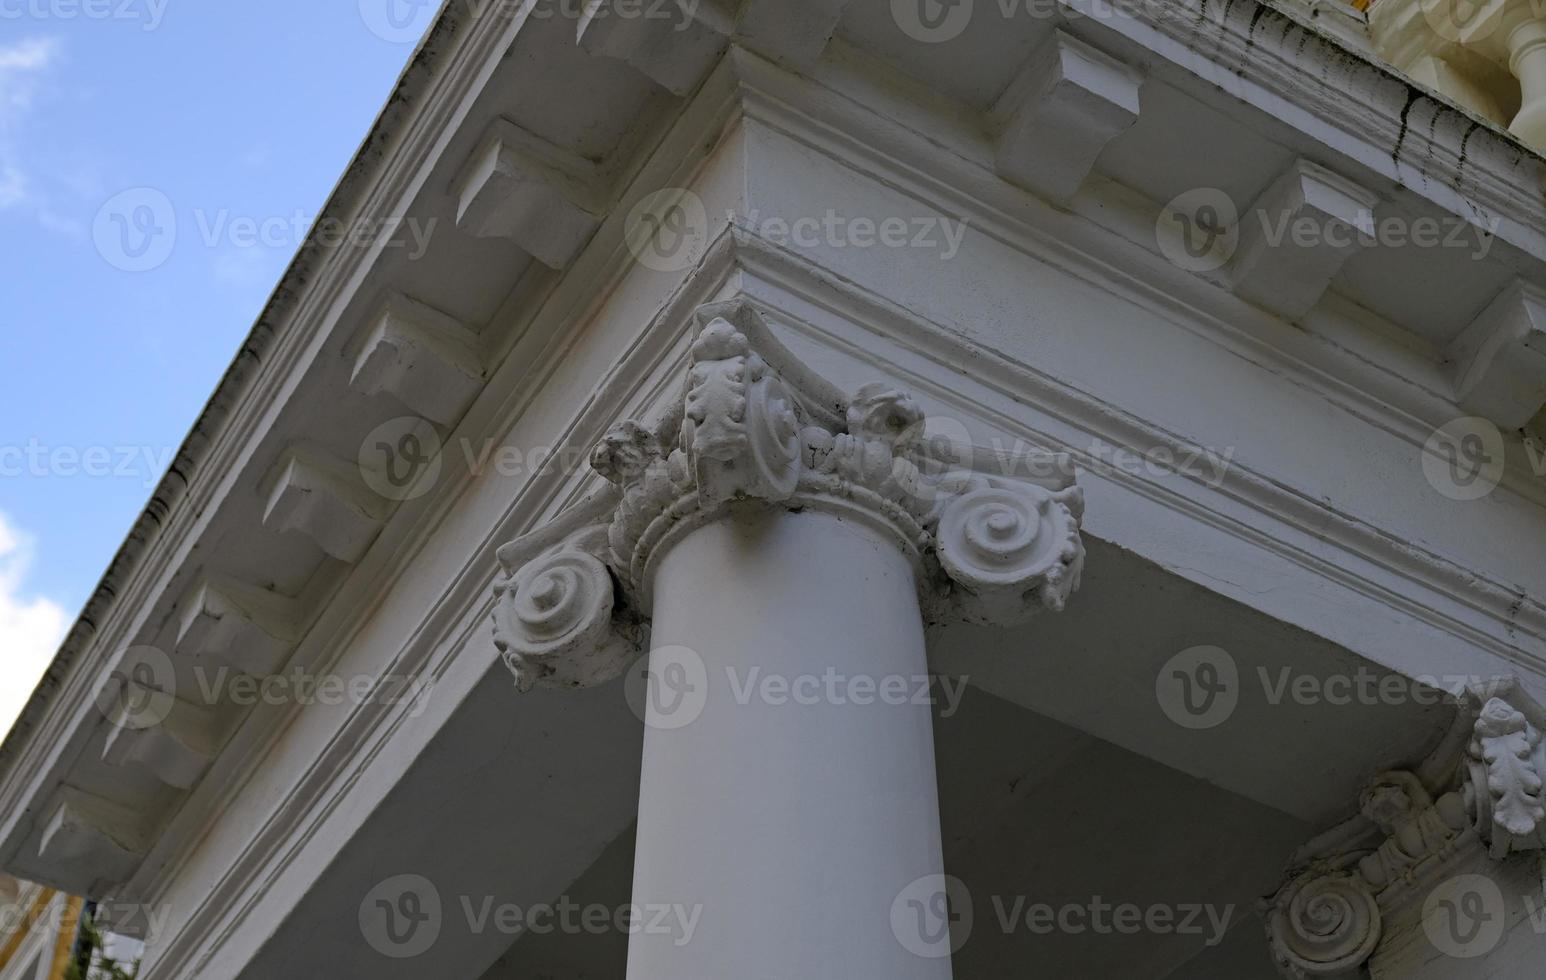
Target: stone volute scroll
(1479, 794)
(993, 539)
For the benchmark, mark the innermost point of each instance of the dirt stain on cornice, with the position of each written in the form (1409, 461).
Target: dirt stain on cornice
(1412, 95)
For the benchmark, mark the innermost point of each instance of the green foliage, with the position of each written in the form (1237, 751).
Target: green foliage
(91, 964)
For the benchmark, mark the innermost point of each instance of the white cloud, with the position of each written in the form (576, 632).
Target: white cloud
(13, 185)
(22, 67)
(28, 55)
(30, 628)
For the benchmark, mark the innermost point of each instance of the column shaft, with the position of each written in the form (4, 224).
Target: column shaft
(800, 802)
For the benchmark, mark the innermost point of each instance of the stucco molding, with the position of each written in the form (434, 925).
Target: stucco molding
(755, 427)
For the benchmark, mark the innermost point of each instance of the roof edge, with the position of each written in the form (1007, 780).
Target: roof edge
(426, 62)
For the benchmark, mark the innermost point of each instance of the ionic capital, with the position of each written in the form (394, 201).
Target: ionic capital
(993, 539)
(1480, 792)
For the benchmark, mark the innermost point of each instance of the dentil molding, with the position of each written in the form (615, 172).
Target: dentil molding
(993, 540)
(1481, 791)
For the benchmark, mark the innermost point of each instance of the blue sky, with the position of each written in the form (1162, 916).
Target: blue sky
(115, 116)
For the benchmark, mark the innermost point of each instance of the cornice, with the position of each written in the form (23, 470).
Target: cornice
(947, 164)
(449, 64)
(1257, 52)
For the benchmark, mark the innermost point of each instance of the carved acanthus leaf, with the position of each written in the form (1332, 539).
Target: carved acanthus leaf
(1505, 774)
(991, 545)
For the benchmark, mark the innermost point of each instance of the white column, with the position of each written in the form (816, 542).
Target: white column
(790, 814)
(773, 542)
